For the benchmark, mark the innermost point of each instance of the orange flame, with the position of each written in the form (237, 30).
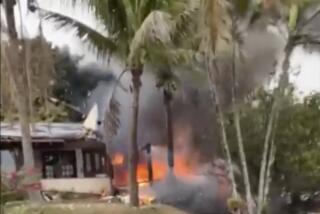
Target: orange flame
(118, 159)
(160, 169)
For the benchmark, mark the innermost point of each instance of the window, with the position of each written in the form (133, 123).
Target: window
(93, 163)
(49, 171)
(59, 164)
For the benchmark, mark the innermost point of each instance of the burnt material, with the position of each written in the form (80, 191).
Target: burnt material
(149, 163)
(167, 96)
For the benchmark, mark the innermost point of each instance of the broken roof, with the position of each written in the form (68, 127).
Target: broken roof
(52, 131)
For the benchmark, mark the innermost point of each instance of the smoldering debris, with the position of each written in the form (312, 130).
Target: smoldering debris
(197, 194)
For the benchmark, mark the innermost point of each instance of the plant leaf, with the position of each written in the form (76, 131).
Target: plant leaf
(96, 40)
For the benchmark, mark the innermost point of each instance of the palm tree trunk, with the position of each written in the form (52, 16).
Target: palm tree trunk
(133, 147)
(22, 103)
(242, 154)
(26, 48)
(264, 157)
(149, 163)
(243, 161)
(17, 157)
(269, 164)
(27, 149)
(167, 97)
(283, 83)
(110, 170)
(220, 119)
(29, 82)
(271, 159)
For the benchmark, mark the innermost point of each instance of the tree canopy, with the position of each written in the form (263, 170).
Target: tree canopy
(296, 167)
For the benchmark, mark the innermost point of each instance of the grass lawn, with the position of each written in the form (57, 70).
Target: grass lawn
(85, 208)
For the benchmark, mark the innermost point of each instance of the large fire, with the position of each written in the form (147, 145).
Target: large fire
(189, 168)
(159, 167)
(186, 167)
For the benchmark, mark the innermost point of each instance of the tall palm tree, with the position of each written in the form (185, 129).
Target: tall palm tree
(166, 81)
(214, 35)
(133, 31)
(219, 39)
(17, 73)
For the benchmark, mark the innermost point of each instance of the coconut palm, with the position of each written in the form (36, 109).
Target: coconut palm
(17, 73)
(134, 30)
(221, 40)
(166, 81)
(215, 34)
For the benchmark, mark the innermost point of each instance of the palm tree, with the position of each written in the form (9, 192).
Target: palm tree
(134, 29)
(220, 37)
(17, 73)
(166, 81)
(213, 29)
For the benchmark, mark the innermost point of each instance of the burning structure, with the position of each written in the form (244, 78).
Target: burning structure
(198, 181)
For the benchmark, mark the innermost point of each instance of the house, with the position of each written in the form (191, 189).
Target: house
(70, 155)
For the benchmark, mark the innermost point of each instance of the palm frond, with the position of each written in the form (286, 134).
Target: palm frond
(155, 29)
(113, 15)
(171, 56)
(112, 121)
(97, 41)
(131, 13)
(216, 24)
(183, 25)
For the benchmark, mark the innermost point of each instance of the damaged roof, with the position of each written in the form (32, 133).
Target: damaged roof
(49, 131)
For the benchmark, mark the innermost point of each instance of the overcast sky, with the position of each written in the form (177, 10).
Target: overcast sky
(307, 80)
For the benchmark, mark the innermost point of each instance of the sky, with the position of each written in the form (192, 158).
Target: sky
(307, 79)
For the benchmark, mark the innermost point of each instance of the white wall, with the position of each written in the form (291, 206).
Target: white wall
(77, 185)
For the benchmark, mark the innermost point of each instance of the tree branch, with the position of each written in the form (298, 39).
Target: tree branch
(305, 39)
(310, 19)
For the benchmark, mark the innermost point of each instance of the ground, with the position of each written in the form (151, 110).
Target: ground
(85, 208)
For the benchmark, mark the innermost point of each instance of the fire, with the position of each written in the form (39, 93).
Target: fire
(159, 168)
(118, 159)
(146, 200)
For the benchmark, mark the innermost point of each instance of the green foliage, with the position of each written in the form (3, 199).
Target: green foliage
(131, 26)
(235, 204)
(242, 6)
(99, 42)
(8, 189)
(293, 17)
(299, 3)
(298, 142)
(50, 76)
(297, 139)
